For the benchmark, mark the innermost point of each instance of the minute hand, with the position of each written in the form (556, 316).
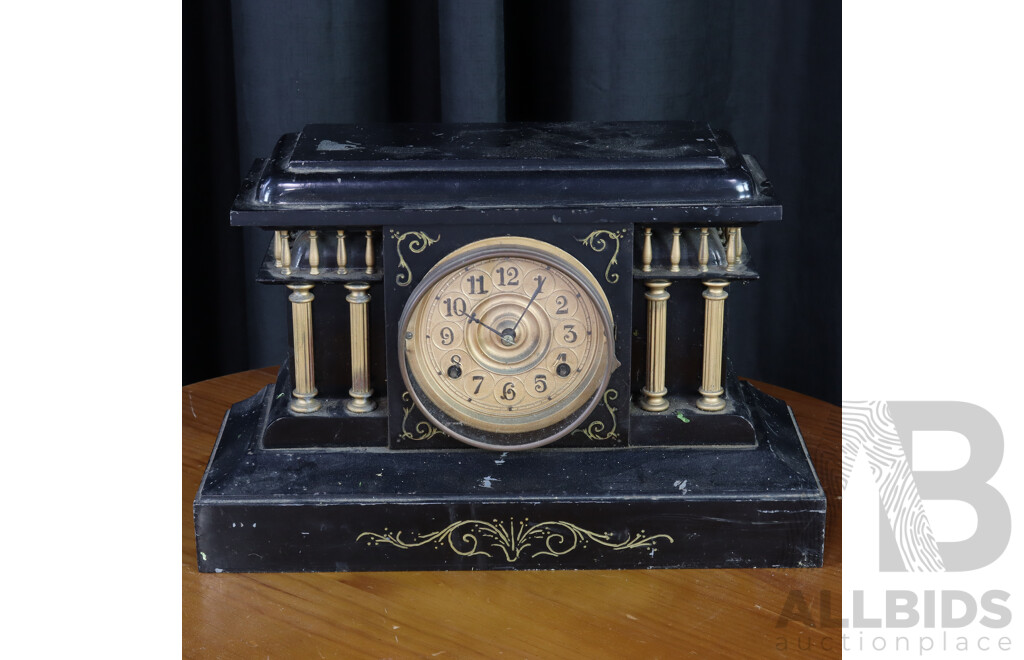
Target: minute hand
(540, 283)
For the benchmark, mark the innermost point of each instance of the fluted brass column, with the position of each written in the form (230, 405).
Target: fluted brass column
(654, 393)
(358, 302)
(303, 396)
(646, 255)
(714, 325)
(704, 253)
(277, 250)
(314, 254)
(342, 255)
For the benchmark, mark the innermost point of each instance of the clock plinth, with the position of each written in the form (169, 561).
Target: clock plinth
(508, 351)
(636, 507)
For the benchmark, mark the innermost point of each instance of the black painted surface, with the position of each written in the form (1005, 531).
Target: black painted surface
(572, 146)
(369, 509)
(380, 174)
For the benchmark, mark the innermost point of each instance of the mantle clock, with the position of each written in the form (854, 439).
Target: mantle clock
(508, 350)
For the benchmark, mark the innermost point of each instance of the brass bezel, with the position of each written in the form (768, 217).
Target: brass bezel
(586, 397)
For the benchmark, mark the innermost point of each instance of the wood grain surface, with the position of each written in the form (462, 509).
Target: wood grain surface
(543, 614)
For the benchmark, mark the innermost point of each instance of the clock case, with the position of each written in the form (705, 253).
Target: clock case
(335, 490)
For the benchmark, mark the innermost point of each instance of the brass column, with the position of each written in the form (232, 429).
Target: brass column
(303, 396)
(676, 254)
(714, 325)
(341, 255)
(286, 254)
(358, 301)
(732, 252)
(704, 253)
(654, 393)
(314, 254)
(369, 252)
(646, 255)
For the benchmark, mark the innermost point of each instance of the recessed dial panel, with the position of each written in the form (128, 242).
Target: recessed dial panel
(507, 343)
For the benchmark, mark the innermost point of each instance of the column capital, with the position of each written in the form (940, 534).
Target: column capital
(715, 289)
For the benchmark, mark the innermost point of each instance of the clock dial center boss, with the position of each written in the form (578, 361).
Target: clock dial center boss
(507, 343)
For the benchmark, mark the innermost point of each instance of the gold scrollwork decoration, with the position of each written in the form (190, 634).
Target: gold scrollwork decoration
(552, 538)
(595, 240)
(418, 244)
(595, 429)
(425, 429)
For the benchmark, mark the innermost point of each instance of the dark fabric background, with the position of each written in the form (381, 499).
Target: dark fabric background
(767, 71)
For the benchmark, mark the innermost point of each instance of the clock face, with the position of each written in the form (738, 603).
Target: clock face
(507, 343)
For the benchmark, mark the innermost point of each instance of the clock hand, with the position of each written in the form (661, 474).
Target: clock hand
(472, 317)
(540, 283)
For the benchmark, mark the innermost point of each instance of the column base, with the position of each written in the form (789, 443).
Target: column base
(304, 403)
(360, 402)
(653, 401)
(711, 401)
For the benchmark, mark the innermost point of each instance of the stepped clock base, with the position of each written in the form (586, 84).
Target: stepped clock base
(374, 509)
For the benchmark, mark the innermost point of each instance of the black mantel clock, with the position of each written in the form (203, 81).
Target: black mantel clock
(508, 351)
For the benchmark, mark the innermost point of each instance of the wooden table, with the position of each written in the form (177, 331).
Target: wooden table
(587, 614)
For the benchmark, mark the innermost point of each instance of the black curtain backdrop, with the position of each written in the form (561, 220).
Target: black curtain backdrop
(767, 71)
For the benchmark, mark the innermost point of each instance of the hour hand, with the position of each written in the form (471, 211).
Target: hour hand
(472, 318)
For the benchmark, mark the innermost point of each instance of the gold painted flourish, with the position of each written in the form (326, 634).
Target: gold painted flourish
(419, 243)
(425, 429)
(552, 538)
(594, 429)
(596, 242)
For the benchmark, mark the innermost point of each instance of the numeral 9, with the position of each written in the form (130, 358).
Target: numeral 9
(447, 336)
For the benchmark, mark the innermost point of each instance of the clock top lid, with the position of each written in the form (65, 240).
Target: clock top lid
(343, 174)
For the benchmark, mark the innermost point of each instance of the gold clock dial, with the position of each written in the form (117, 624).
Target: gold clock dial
(507, 342)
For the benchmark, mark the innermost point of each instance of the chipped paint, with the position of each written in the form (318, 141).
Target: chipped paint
(331, 145)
